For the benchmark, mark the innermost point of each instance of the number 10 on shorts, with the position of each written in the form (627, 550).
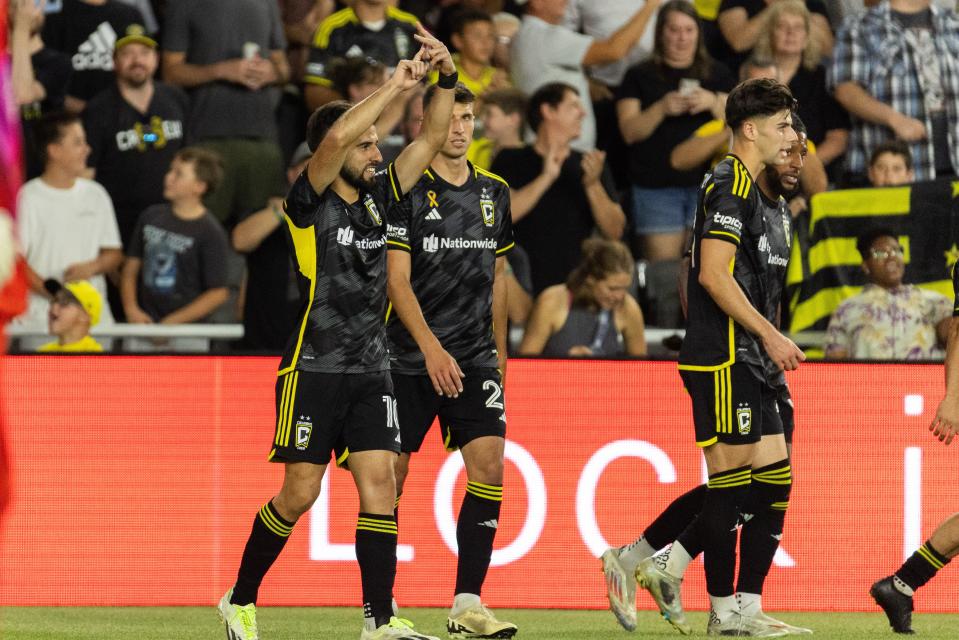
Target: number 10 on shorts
(392, 419)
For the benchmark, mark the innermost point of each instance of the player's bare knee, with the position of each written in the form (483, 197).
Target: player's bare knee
(483, 459)
(295, 499)
(400, 470)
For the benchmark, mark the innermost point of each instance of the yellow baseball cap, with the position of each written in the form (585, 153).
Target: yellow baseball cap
(135, 33)
(84, 293)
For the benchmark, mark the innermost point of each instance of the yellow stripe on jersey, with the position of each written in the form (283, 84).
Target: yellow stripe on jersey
(724, 233)
(402, 16)
(321, 39)
(304, 250)
(477, 171)
(506, 248)
(397, 243)
(389, 310)
(323, 82)
(391, 172)
(281, 410)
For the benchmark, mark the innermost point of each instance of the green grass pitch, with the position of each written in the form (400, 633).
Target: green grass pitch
(281, 623)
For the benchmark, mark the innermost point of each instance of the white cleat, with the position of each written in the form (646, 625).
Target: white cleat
(665, 590)
(742, 626)
(620, 589)
(790, 629)
(478, 622)
(240, 621)
(396, 629)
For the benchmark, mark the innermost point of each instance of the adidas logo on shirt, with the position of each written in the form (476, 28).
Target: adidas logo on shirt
(97, 51)
(492, 524)
(434, 215)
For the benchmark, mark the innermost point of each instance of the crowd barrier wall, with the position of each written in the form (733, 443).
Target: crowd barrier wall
(136, 480)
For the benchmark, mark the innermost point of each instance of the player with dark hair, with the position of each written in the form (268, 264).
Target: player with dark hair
(894, 593)
(448, 240)
(334, 391)
(730, 361)
(777, 183)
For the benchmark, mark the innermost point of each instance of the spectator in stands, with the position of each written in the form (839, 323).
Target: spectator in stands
(741, 22)
(75, 307)
(505, 26)
(891, 165)
(87, 31)
(559, 196)
(474, 39)
(592, 314)
(503, 119)
(544, 51)
(134, 129)
(661, 103)
(66, 225)
(894, 70)
(272, 297)
(38, 75)
(786, 40)
(391, 146)
(175, 268)
(888, 320)
(368, 28)
(300, 21)
(230, 56)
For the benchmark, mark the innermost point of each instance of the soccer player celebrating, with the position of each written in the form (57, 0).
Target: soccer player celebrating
(777, 184)
(730, 335)
(447, 243)
(334, 390)
(894, 593)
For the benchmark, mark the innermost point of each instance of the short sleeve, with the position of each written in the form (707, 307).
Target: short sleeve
(567, 48)
(321, 54)
(631, 87)
(836, 334)
(213, 256)
(850, 61)
(176, 28)
(302, 203)
(277, 37)
(955, 289)
(134, 247)
(726, 207)
(504, 221)
(939, 307)
(387, 187)
(108, 234)
(399, 216)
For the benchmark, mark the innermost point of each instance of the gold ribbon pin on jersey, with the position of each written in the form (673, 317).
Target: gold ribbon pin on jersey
(431, 196)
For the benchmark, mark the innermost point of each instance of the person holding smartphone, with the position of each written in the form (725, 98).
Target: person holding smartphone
(661, 103)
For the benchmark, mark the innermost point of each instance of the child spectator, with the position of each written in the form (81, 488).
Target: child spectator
(74, 310)
(503, 116)
(66, 224)
(175, 272)
(891, 165)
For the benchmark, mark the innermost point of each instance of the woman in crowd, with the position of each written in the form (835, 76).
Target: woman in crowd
(785, 39)
(593, 313)
(661, 102)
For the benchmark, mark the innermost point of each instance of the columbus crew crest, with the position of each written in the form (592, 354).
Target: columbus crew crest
(486, 206)
(744, 418)
(371, 207)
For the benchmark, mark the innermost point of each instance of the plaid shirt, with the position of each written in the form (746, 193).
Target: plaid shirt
(871, 50)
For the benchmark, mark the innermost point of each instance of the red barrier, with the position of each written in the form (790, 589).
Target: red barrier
(137, 480)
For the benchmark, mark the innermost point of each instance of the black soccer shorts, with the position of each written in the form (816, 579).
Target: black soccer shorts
(478, 411)
(318, 413)
(733, 405)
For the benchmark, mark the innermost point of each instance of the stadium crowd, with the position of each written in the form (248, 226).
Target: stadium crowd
(161, 138)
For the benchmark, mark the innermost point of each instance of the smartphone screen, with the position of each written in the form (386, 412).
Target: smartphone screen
(51, 6)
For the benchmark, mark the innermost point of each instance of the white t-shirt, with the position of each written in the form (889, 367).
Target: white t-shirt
(61, 227)
(601, 20)
(542, 53)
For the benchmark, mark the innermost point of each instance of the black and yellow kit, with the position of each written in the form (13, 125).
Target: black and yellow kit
(342, 35)
(955, 289)
(724, 367)
(454, 234)
(339, 251)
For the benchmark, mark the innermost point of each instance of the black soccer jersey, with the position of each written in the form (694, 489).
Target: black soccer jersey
(340, 253)
(454, 235)
(342, 35)
(731, 209)
(955, 289)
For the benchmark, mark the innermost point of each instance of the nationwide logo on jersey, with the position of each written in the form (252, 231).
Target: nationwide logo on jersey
(744, 417)
(344, 235)
(432, 244)
(371, 207)
(486, 206)
(786, 227)
(773, 259)
(97, 51)
(304, 429)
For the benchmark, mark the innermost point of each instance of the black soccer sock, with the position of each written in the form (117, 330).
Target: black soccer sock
(475, 530)
(675, 519)
(764, 513)
(376, 555)
(717, 523)
(921, 566)
(269, 535)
